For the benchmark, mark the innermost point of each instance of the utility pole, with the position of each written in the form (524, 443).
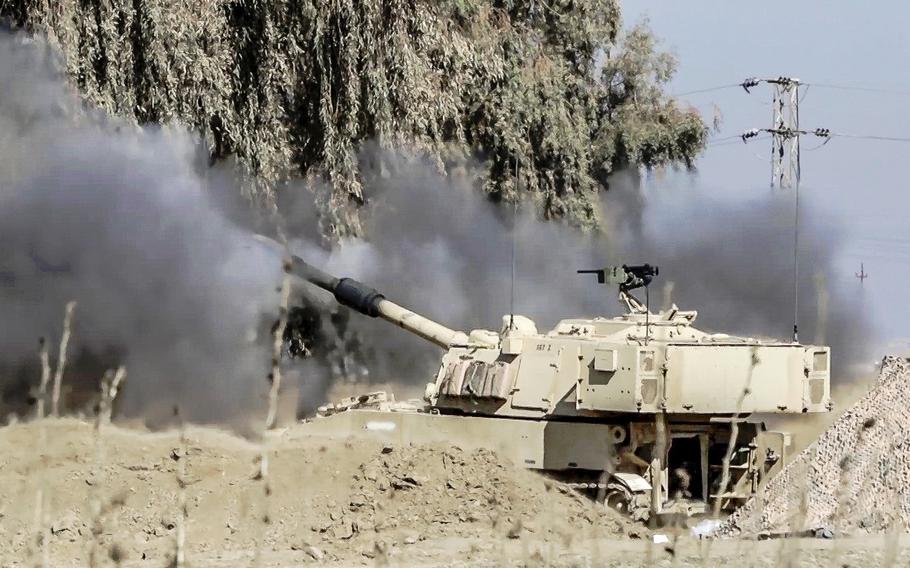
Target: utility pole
(785, 167)
(785, 132)
(862, 274)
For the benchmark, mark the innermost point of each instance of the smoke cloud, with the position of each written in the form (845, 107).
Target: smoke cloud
(733, 262)
(133, 225)
(122, 220)
(437, 246)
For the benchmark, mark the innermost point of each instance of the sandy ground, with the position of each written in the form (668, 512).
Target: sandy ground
(342, 504)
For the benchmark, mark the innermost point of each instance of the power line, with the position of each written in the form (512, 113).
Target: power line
(814, 148)
(732, 137)
(785, 154)
(707, 90)
(731, 140)
(750, 82)
(821, 133)
(869, 137)
(785, 134)
(727, 143)
(859, 89)
(806, 92)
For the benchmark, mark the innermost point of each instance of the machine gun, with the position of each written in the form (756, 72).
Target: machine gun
(628, 278)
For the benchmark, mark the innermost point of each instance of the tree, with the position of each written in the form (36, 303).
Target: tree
(296, 87)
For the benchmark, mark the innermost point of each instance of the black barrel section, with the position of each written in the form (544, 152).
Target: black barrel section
(347, 291)
(358, 296)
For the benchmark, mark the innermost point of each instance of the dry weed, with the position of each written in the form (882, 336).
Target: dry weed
(274, 387)
(61, 358)
(100, 506)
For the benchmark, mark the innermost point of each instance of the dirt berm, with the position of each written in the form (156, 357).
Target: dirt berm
(854, 479)
(342, 501)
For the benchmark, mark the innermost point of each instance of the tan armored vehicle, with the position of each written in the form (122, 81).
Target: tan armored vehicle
(644, 410)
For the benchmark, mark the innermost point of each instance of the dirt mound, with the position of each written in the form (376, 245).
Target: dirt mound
(348, 501)
(854, 478)
(452, 491)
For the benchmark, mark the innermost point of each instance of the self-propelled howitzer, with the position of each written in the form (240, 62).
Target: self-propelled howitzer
(639, 407)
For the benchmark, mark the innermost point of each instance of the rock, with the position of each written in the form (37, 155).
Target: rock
(344, 531)
(68, 522)
(636, 533)
(515, 530)
(315, 553)
(406, 482)
(823, 532)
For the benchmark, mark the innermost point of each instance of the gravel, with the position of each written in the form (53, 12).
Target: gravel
(854, 479)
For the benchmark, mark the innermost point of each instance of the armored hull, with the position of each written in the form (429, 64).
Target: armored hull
(646, 411)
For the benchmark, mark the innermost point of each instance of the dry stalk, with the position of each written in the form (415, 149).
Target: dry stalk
(99, 507)
(734, 433)
(45, 378)
(42, 520)
(274, 388)
(661, 447)
(181, 457)
(891, 544)
(42, 524)
(842, 493)
(61, 358)
(277, 343)
(731, 447)
(789, 547)
(890, 547)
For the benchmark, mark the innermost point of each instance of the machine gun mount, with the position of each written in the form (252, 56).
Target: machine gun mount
(628, 278)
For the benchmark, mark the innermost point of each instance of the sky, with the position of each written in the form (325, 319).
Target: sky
(858, 184)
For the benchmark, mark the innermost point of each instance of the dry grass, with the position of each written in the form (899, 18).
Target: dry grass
(181, 456)
(42, 524)
(61, 358)
(102, 506)
(263, 475)
(42, 528)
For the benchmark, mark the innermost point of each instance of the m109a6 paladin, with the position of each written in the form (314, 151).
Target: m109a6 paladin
(646, 412)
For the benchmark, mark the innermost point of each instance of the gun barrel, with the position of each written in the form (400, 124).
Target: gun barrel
(370, 302)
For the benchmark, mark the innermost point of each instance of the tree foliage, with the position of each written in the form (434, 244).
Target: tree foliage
(295, 87)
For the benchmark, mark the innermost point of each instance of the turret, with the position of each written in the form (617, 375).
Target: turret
(370, 302)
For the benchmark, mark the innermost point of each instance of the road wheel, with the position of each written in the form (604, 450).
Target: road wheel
(635, 506)
(618, 497)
